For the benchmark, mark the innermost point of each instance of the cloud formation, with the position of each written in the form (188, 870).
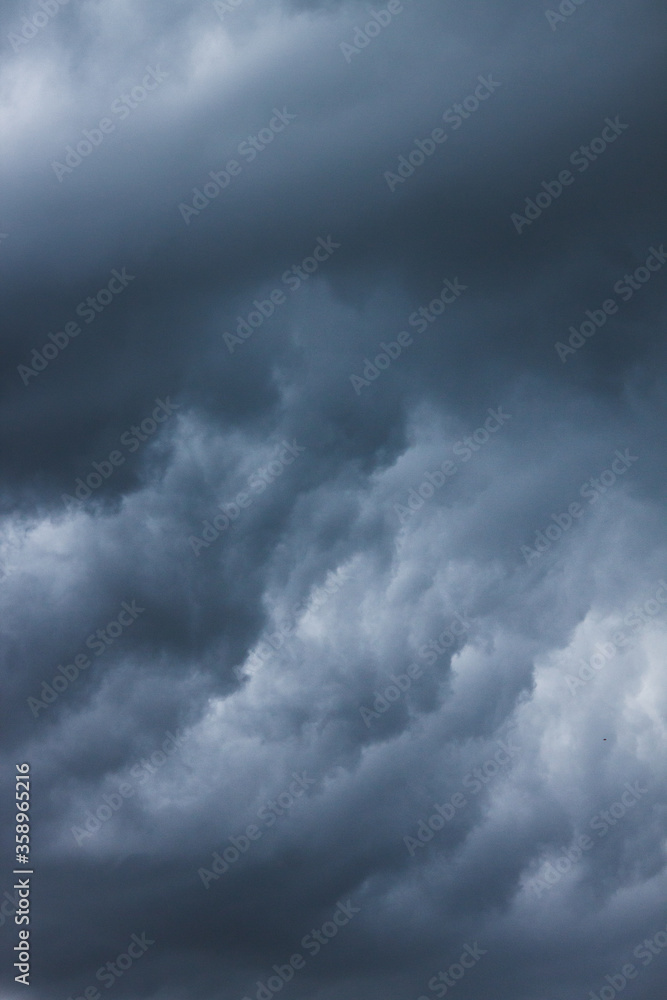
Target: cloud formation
(332, 542)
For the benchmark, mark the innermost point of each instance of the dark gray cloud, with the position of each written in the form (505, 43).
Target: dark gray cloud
(332, 524)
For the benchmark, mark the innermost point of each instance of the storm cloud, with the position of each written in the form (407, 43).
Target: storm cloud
(332, 535)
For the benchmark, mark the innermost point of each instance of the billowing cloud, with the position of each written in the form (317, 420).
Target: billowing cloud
(332, 530)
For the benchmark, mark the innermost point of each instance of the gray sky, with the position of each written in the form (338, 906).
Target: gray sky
(332, 423)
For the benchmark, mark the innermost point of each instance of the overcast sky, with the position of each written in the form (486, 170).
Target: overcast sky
(332, 528)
